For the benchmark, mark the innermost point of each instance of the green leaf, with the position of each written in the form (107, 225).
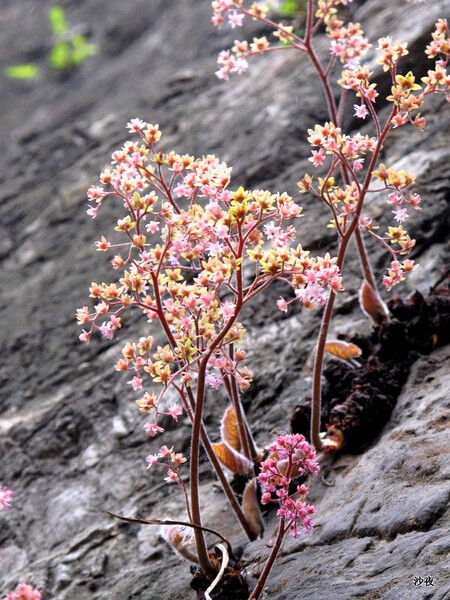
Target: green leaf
(60, 56)
(81, 50)
(27, 71)
(57, 18)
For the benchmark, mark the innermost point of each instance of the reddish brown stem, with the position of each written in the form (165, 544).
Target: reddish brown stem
(269, 564)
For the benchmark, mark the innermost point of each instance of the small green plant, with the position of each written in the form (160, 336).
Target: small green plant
(69, 51)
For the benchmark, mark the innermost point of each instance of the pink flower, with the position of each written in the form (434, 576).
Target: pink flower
(317, 158)
(282, 305)
(400, 214)
(136, 383)
(174, 411)
(92, 211)
(115, 322)
(152, 429)
(171, 476)
(213, 381)
(360, 111)
(235, 19)
(5, 498)
(106, 331)
(84, 337)
(358, 164)
(136, 125)
(152, 459)
(228, 309)
(152, 226)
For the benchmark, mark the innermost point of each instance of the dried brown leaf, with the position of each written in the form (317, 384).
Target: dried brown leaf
(250, 508)
(372, 305)
(233, 460)
(341, 349)
(229, 430)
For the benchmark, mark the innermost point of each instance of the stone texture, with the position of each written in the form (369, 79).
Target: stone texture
(71, 441)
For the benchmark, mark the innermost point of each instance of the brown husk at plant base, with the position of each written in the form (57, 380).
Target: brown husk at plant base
(359, 401)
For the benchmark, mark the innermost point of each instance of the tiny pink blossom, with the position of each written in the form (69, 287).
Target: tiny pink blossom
(317, 158)
(358, 164)
(171, 476)
(360, 111)
(92, 211)
(106, 331)
(282, 305)
(152, 226)
(153, 428)
(174, 411)
(84, 337)
(136, 125)
(235, 19)
(213, 381)
(400, 214)
(152, 459)
(228, 309)
(115, 322)
(136, 383)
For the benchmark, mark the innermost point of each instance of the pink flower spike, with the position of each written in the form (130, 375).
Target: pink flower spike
(5, 498)
(153, 429)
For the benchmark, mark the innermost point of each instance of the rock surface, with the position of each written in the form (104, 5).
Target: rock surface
(71, 442)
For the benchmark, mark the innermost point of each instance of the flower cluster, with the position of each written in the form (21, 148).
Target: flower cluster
(290, 456)
(233, 13)
(23, 592)
(437, 79)
(347, 41)
(186, 240)
(170, 459)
